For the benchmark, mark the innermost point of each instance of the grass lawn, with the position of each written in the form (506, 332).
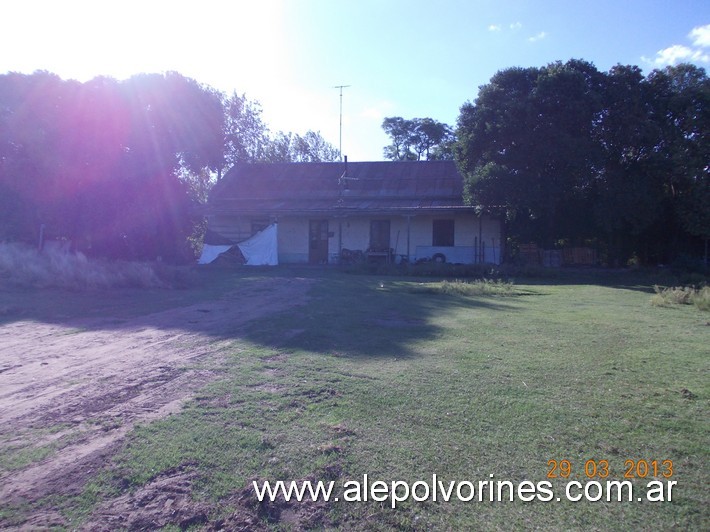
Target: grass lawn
(400, 380)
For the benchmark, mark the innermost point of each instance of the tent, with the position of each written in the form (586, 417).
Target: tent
(260, 250)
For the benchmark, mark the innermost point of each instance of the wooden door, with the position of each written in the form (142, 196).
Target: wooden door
(318, 242)
(380, 235)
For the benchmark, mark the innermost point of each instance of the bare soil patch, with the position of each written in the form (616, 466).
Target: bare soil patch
(167, 501)
(80, 386)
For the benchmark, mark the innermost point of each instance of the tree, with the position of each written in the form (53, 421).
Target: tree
(571, 153)
(682, 112)
(525, 146)
(118, 166)
(313, 148)
(417, 139)
(246, 136)
(294, 148)
(106, 163)
(33, 110)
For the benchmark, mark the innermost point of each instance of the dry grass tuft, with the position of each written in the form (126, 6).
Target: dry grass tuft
(479, 287)
(681, 295)
(22, 265)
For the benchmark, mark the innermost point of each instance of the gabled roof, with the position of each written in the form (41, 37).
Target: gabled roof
(339, 188)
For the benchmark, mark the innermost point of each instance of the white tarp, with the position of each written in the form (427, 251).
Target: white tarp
(210, 253)
(262, 249)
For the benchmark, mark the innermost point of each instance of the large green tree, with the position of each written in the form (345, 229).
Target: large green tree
(248, 139)
(417, 139)
(117, 166)
(525, 145)
(106, 163)
(573, 154)
(294, 148)
(246, 136)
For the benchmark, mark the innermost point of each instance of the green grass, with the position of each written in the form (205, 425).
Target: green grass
(399, 380)
(47, 440)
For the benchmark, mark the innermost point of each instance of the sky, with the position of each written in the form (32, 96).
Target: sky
(408, 58)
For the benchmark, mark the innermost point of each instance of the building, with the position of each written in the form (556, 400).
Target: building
(327, 212)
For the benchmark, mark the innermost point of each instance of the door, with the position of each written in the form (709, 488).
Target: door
(318, 242)
(380, 236)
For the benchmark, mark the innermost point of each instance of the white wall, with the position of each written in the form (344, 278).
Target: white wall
(354, 233)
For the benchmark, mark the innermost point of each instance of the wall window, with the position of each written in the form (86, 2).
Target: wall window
(443, 233)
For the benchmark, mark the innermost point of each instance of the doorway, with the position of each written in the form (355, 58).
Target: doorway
(380, 235)
(318, 242)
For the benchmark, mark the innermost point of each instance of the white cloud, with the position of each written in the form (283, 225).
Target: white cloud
(538, 37)
(680, 53)
(514, 26)
(700, 36)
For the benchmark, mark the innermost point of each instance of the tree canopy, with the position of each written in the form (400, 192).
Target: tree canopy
(417, 139)
(117, 166)
(572, 154)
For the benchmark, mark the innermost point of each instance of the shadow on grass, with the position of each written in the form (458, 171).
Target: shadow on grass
(640, 280)
(319, 310)
(367, 317)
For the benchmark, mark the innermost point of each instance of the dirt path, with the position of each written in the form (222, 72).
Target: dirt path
(80, 386)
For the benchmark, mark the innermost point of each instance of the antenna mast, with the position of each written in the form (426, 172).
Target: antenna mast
(340, 147)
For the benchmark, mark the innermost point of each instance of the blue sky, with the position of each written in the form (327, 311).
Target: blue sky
(401, 58)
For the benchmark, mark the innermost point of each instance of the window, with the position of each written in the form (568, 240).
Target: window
(443, 233)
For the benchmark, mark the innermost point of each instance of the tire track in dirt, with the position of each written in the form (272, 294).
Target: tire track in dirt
(92, 380)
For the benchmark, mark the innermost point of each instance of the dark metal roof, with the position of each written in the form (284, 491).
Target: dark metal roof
(339, 188)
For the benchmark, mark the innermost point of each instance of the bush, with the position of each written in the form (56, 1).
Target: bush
(479, 287)
(701, 298)
(682, 295)
(23, 265)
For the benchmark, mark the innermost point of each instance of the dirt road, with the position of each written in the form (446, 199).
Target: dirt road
(73, 390)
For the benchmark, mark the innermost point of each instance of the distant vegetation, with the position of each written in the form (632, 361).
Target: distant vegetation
(24, 266)
(116, 167)
(566, 154)
(682, 295)
(613, 160)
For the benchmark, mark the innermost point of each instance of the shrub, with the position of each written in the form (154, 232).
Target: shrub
(23, 265)
(682, 295)
(701, 298)
(479, 287)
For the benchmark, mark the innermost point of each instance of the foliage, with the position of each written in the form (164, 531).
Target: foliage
(24, 266)
(477, 287)
(681, 295)
(246, 136)
(294, 148)
(417, 139)
(571, 153)
(248, 139)
(107, 164)
(118, 167)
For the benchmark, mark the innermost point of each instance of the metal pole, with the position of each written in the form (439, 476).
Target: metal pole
(340, 142)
